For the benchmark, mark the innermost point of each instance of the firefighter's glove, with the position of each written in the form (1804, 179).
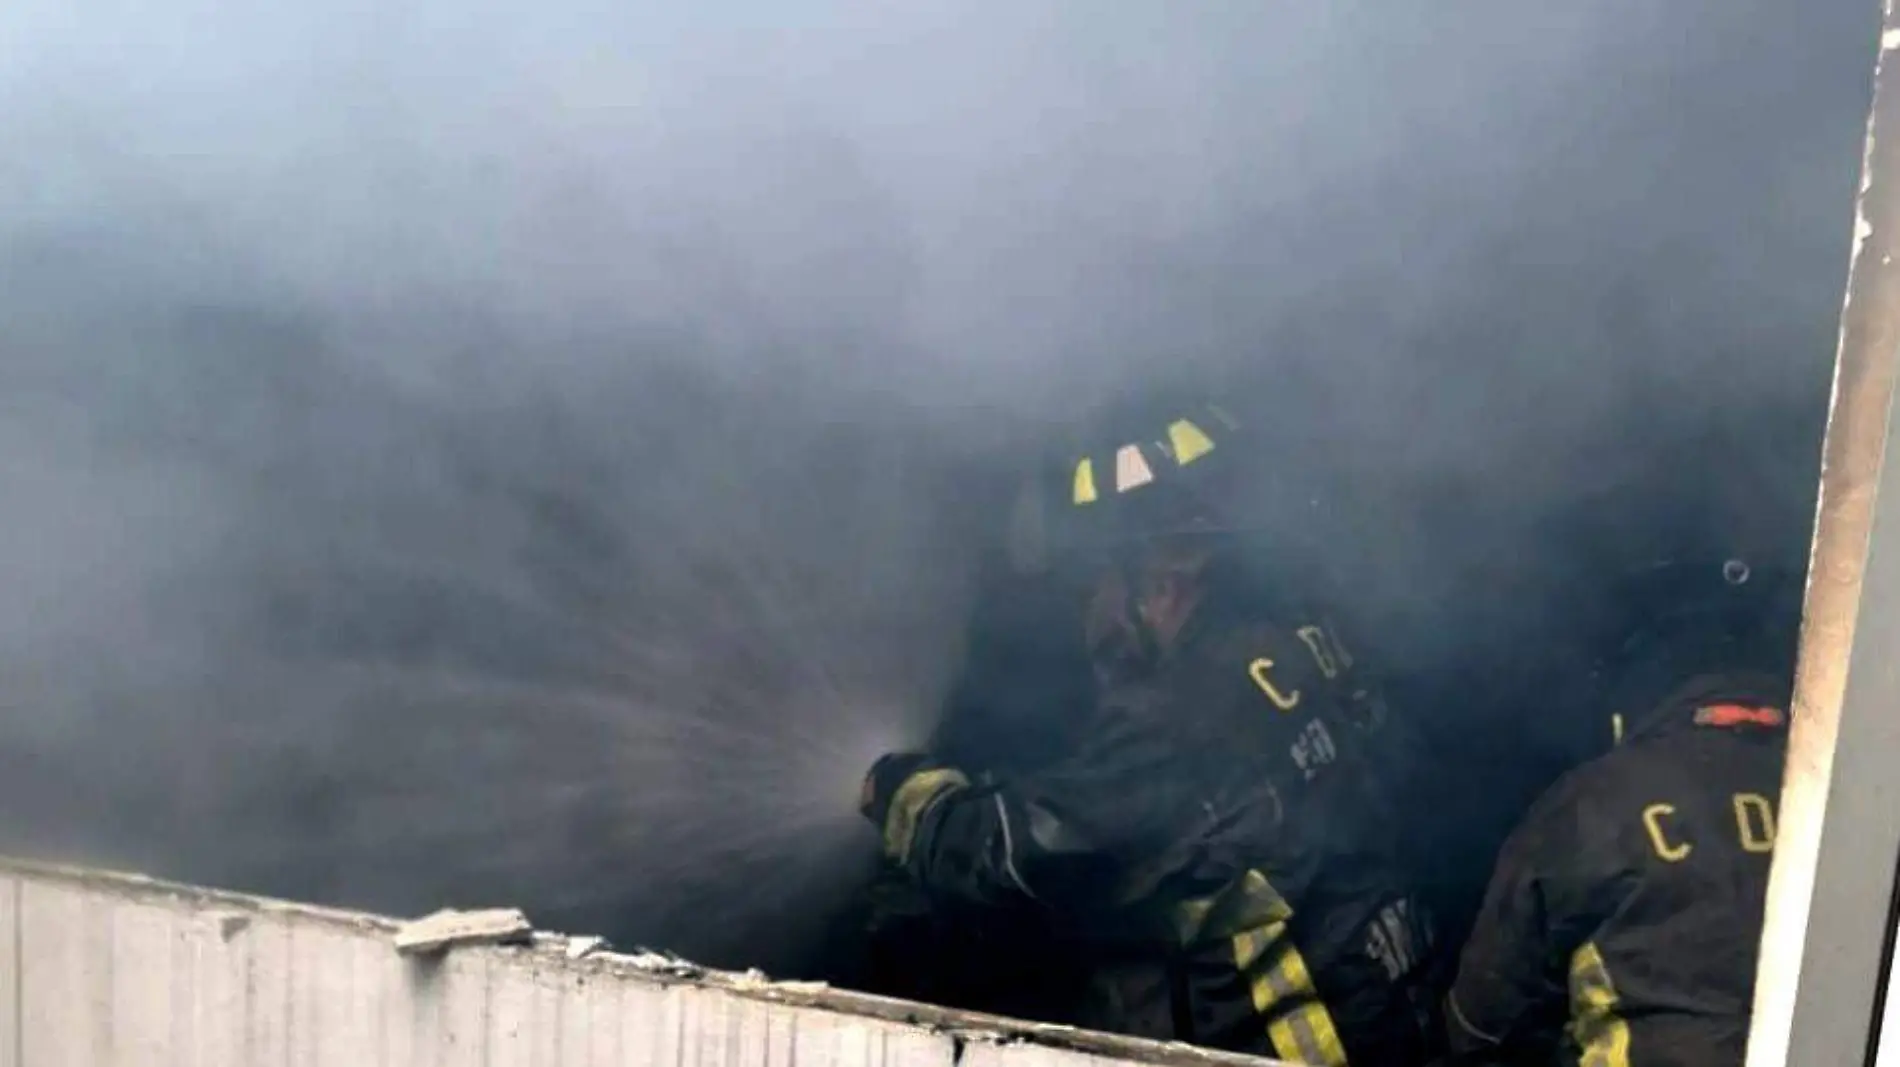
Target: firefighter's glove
(900, 789)
(886, 777)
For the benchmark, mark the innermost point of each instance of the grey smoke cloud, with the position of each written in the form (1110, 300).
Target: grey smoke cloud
(1013, 185)
(532, 451)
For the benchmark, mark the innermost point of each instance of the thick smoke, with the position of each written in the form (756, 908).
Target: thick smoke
(538, 453)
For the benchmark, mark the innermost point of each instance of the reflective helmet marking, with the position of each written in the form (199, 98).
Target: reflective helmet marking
(1189, 442)
(1186, 442)
(1085, 482)
(1131, 469)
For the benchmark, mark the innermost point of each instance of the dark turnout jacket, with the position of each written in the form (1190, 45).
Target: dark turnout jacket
(1621, 925)
(1219, 847)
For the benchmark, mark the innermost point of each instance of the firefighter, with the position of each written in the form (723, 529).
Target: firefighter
(1621, 923)
(1218, 846)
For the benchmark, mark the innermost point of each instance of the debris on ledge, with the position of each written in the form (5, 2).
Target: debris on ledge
(658, 961)
(578, 947)
(450, 928)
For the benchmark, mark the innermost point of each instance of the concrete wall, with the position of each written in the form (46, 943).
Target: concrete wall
(104, 970)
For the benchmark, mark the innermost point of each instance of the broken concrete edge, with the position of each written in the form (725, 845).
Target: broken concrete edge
(232, 912)
(452, 928)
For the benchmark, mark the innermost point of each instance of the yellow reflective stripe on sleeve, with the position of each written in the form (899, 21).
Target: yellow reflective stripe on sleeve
(1242, 906)
(1298, 1024)
(912, 799)
(1602, 1036)
(1190, 918)
(1250, 945)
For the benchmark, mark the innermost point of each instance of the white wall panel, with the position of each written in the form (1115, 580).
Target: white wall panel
(11, 1036)
(106, 970)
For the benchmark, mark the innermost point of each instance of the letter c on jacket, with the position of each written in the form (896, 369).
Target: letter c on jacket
(1658, 839)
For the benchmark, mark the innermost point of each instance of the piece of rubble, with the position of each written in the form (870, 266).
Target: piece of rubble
(451, 928)
(660, 962)
(801, 989)
(578, 947)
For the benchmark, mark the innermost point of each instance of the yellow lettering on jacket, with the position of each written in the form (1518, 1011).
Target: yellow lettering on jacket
(1755, 822)
(1260, 670)
(1659, 839)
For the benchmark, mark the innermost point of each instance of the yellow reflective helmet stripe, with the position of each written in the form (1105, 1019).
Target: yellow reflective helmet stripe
(1188, 441)
(909, 803)
(1085, 482)
(1601, 1035)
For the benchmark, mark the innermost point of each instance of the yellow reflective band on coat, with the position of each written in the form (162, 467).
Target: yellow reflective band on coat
(1085, 482)
(1242, 905)
(1188, 441)
(1298, 1024)
(909, 803)
(1601, 1035)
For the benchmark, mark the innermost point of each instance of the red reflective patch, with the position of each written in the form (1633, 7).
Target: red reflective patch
(1739, 715)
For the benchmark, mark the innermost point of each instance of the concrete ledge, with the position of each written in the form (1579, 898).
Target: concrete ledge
(99, 969)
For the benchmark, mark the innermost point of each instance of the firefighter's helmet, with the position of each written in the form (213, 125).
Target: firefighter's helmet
(1691, 563)
(1733, 599)
(1168, 470)
(1699, 614)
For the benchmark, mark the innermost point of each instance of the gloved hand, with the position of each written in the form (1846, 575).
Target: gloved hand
(886, 775)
